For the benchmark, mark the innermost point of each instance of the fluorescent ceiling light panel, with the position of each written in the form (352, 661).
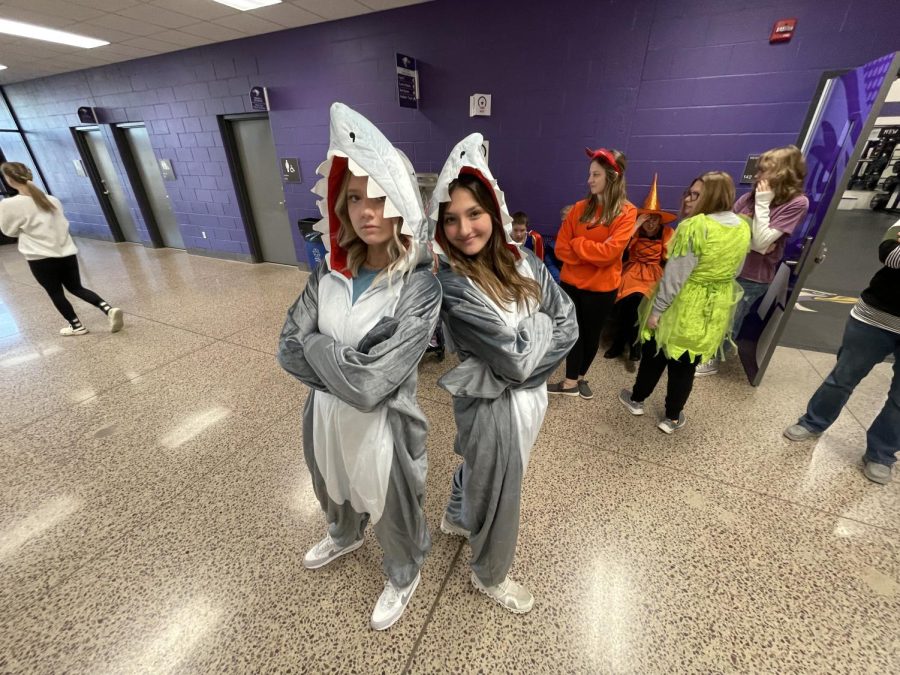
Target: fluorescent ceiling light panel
(28, 30)
(245, 5)
(2, 67)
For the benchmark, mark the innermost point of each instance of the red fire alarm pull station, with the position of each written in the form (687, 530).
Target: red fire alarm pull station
(783, 30)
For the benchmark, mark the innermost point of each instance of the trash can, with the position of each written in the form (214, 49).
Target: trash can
(315, 247)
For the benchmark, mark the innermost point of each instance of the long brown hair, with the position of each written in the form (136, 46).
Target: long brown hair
(717, 195)
(356, 248)
(788, 170)
(614, 194)
(493, 268)
(22, 174)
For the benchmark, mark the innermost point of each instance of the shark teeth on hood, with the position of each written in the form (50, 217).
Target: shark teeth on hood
(391, 175)
(467, 153)
(391, 211)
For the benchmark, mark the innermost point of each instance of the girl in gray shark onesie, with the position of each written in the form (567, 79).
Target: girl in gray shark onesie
(511, 326)
(355, 337)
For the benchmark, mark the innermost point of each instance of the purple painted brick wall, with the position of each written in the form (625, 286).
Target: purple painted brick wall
(681, 87)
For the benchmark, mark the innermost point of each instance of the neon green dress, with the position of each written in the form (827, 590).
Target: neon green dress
(700, 317)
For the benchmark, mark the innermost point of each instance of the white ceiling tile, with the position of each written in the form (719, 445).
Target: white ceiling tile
(37, 18)
(108, 5)
(213, 31)
(151, 44)
(380, 5)
(126, 51)
(181, 38)
(287, 15)
(124, 24)
(156, 15)
(333, 9)
(199, 9)
(102, 32)
(247, 24)
(55, 8)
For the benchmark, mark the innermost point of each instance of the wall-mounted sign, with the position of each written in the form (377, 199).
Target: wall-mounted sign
(290, 170)
(79, 167)
(407, 81)
(480, 105)
(166, 169)
(783, 30)
(259, 99)
(749, 169)
(87, 115)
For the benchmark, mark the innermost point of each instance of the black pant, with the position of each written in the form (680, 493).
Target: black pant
(681, 378)
(53, 274)
(627, 330)
(591, 311)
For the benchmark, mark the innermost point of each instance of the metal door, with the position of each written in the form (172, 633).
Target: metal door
(152, 186)
(844, 114)
(261, 189)
(106, 184)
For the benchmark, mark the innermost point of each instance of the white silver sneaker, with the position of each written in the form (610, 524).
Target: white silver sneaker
(325, 551)
(668, 426)
(68, 331)
(711, 367)
(514, 597)
(634, 407)
(455, 530)
(116, 320)
(392, 603)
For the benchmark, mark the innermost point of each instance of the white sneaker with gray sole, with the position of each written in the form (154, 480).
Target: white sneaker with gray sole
(116, 320)
(633, 407)
(711, 367)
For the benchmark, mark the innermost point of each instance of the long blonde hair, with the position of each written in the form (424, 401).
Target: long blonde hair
(788, 170)
(493, 269)
(357, 249)
(22, 174)
(614, 194)
(717, 195)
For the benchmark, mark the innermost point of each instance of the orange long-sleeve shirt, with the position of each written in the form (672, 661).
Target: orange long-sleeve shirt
(591, 253)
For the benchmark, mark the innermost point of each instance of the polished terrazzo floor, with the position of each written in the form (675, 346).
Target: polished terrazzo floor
(154, 509)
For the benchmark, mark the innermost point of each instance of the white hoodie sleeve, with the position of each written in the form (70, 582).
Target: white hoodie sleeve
(763, 236)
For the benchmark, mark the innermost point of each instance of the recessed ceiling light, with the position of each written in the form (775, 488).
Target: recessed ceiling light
(245, 5)
(2, 67)
(28, 30)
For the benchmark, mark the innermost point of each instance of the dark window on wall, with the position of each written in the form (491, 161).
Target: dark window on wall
(14, 146)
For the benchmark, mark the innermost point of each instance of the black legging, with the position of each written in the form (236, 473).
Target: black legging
(591, 311)
(627, 330)
(681, 378)
(55, 273)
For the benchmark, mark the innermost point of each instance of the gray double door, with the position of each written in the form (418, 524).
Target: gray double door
(152, 184)
(262, 192)
(109, 189)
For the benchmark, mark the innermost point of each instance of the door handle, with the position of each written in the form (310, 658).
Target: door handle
(823, 253)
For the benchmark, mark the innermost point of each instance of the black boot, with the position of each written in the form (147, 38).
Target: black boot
(615, 351)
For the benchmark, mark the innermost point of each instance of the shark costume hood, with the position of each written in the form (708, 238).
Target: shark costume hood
(359, 147)
(467, 156)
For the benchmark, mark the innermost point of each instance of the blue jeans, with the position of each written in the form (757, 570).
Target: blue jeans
(753, 291)
(863, 348)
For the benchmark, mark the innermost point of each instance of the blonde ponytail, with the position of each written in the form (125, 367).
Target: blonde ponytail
(22, 174)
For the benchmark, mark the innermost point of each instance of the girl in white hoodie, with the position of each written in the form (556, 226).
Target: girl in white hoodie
(43, 231)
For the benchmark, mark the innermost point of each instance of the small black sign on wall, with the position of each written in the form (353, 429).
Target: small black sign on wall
(290, 170)
(749, 169)
(259, 99)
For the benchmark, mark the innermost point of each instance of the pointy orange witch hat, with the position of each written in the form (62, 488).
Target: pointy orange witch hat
(651, 205)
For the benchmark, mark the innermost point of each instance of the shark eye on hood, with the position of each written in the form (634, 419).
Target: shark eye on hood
(353, 137)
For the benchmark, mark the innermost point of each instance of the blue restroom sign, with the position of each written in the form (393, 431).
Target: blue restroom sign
(407, 81)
